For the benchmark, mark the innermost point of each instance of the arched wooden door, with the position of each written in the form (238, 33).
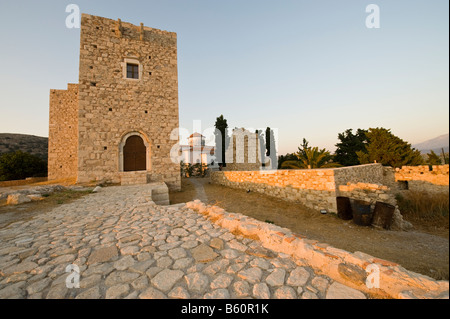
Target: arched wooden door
(134, 154)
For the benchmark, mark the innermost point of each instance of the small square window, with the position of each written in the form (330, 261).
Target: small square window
(132, 71)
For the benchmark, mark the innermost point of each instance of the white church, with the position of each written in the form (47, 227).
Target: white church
(196, 152)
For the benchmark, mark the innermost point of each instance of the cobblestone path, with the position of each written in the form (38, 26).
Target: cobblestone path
(125, 246)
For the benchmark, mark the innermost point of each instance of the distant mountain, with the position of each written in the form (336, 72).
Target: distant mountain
(35, 145)
(436, 144)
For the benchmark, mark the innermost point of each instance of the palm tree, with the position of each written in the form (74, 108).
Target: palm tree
(313, 158)
(290, 165)
(309, 158)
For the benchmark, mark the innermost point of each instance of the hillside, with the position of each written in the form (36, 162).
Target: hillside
(435, 144)
(35, 145)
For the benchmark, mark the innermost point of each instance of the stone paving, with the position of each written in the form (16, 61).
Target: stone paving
(125, 246)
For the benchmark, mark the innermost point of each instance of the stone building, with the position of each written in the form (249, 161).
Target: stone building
(116, 123)
(243, 152)
(197, 152)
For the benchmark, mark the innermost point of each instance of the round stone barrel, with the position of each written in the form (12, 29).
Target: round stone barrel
(362, 214)
(383, 214)
(344, 208)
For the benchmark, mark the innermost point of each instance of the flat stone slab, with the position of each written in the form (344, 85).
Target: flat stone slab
(152, 293)
(103, 254)
(16, 199)
(261, 252)
(298, 277)
(203, 254)
(252, 275)
(276, 278)
(165, 280)
(197, 282)
(20, 268)
(339, 291)
(217, 243)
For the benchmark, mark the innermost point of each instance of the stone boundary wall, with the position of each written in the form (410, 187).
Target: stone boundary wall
(351, 269)
(370, 183)
(421, 178)
(316, 188)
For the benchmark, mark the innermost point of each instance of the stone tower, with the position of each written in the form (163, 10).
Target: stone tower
(243, 152)
(116, 124)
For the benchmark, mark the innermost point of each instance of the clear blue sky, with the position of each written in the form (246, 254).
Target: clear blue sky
(308, 68)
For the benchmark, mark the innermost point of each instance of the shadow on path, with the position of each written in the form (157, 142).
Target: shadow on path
(201, 194)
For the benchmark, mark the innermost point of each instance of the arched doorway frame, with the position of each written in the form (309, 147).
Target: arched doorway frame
(147, 144)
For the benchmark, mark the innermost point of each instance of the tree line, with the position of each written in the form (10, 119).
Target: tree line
(378, 145)
(20, 165)
(362, 147)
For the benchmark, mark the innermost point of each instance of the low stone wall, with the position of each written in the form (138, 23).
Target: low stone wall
(370, 183)
(160, 194)
(422, 179)
(377, 277)
(370, 193)
(316, 188)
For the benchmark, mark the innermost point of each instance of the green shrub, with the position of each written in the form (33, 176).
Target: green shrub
(19, 165)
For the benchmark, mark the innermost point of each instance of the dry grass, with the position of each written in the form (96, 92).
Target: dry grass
(31, 183)
(23, 182)
(26, 211)
(186, 194)
(64, 182)
(427, 212)
(66, 196)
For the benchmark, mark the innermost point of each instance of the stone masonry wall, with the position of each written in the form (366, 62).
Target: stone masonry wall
(243, 153)
(63, 133)
(370, 183)
(315, 188)
(133, 178)
(420, 178)
(112, 106)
